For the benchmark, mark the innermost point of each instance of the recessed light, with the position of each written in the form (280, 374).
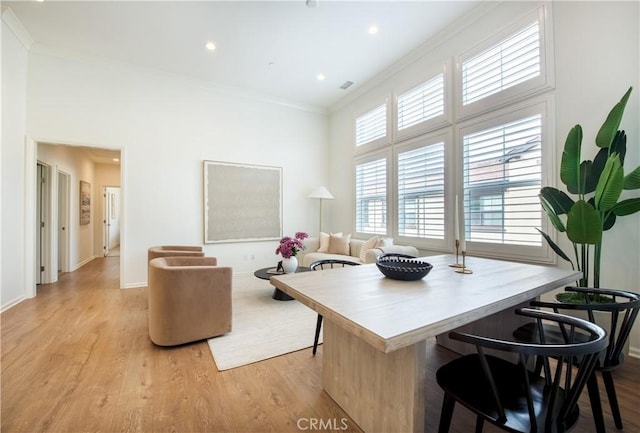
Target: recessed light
(373, 29)
(115, 159)
(210, 46)
(320, 77)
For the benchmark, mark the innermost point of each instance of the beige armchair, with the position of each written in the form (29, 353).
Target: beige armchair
(174, 251)
(189, 299)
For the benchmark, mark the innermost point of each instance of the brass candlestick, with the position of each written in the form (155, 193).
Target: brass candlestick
(456, 264)
(464, 269)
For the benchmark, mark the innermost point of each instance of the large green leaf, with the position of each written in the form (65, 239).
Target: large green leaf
(551, 213)
(558, 200)
(610, 184)
(554, 246)
(610, 126)
(627, 207)
(584, 225)
(619, 145)
(609, 221)
(586, 176)
(570, 163)
(632, 180)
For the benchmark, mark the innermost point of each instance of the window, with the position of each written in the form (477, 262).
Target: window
(502, 176)
(371, 196)
(421, 178)
(421, 103)
(372, 125)
(511, 62)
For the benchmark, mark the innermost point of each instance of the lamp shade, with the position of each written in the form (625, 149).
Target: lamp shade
(320, 192)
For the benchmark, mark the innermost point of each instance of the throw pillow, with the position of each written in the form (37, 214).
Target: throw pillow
(384, 242)
(371, 243)
(339, 244)
(324, 242)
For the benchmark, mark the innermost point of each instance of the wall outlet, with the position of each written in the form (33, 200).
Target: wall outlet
(251, 257)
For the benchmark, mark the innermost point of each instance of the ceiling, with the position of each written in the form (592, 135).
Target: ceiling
(275, 49)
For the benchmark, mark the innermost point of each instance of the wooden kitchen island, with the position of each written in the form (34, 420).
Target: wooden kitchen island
(375, 328)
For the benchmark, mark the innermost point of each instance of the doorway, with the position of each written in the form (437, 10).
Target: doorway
(43, 199)
(111, 238)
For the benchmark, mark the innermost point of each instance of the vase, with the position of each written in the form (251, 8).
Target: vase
(290, 265)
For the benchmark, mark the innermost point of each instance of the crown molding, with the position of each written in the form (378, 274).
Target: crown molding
(450, 31)
(16, 27)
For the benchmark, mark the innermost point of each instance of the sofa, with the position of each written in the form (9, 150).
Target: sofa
(342, 247)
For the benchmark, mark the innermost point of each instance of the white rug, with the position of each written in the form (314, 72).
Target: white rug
(262, 327)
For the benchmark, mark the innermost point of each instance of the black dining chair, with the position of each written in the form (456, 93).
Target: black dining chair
(616, 311)
(512, 396)
(318, 266)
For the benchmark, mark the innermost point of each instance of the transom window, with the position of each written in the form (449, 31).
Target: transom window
(510, 62)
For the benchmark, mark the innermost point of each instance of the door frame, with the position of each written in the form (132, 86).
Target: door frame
(31, 161)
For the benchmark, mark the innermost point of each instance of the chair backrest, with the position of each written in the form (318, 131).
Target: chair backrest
(395, 256)
(330, 264)
(563, 380)
(622, 308)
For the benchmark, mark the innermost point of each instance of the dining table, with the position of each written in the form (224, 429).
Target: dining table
(374, 355)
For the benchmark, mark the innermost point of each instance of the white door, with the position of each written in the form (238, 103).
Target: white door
(111, 218)
(63, 221)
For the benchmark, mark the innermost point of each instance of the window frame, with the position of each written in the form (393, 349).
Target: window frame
(433, 123)
(378, 143)
(445, 136)
(527, 89)
(370, 157)
(545, 106)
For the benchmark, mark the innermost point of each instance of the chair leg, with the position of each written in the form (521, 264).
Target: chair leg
(613, 399)
(446, 413)
(315, 341)
(479, 424)
(596, 404)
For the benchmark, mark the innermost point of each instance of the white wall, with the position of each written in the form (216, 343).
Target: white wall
(14, 91)
(596, 60)
(166, 126)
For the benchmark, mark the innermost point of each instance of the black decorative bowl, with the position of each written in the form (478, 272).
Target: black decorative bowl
(402, 267)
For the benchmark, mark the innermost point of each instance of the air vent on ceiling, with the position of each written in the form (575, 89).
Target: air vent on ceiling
(346, 85)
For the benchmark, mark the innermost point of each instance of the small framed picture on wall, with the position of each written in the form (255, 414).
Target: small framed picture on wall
(85, 203)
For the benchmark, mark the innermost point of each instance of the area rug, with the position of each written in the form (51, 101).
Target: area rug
(262, 327)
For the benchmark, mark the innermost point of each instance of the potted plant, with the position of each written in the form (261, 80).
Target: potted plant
(595, 186)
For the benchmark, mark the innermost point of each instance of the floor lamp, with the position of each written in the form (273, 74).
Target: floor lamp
(321, 192)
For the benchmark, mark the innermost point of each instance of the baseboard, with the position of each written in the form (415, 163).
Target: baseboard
(12, 303)
(82, 263)
(134, 285)
(634, 352)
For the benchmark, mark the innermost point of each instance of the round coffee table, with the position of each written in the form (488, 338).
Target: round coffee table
(278, 294)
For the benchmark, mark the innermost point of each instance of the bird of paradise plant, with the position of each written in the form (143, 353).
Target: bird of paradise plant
(597, 185)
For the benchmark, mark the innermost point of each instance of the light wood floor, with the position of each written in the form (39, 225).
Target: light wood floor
(77, 358)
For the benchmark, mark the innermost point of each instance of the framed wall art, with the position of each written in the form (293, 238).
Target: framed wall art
(85, 203)
(242, 202)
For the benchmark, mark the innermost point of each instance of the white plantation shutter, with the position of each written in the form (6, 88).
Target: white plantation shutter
(421, 192)
(501, 181)
(371, 197)
(421, 103)
(371, 125)
(513, 61)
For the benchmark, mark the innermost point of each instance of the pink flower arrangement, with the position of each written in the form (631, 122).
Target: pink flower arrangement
(289, 247)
